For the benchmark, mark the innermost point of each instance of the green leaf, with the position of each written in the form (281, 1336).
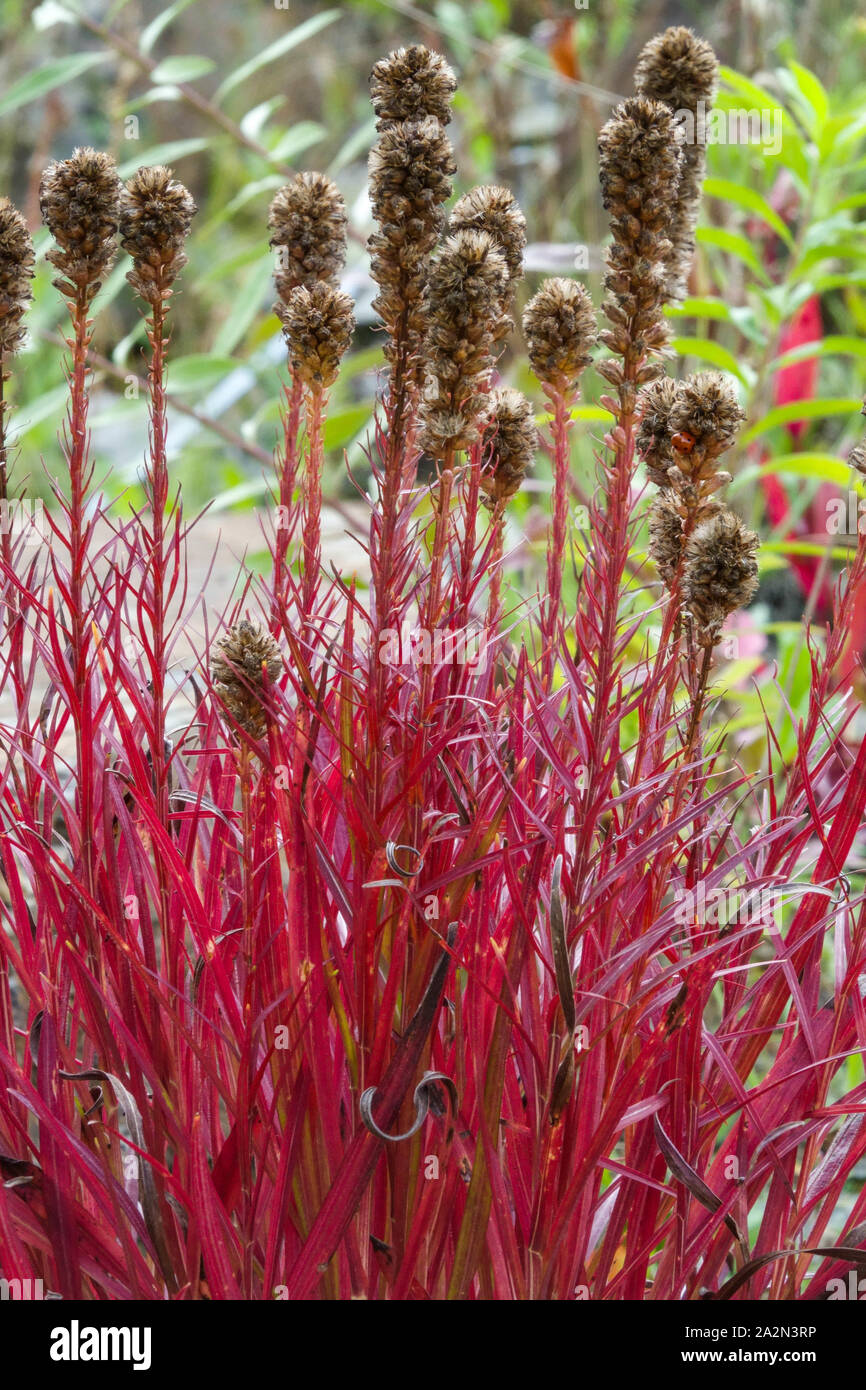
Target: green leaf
(47, 78)
(169, 153)
(699, 308)
(182, 69)
(801, 410)
(247, 304)
(834, 343)
(824, 466)
(298, 138)
(735, 244)
(277, 50)
(342, 426)
(44, 407)
(709, 351)
(358, 143)
(199, 371)
(814, 95)
(750, 199)
(151, 33)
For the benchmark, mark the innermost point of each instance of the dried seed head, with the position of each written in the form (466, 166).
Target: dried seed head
(16, 272)
(681, 70)
(156, 213)
(410, 179)
(685, 426)
(244, 655)
(678, 68)
(857, 458)
(495, 210)
(654, 432)
(666, 536)
(639, 166)
(307, 221)
(464, 294)
(511, 438)
(720, 573)
(707, 410)
(412, 83)
(80, 202)
(560, 329)
(318, 323)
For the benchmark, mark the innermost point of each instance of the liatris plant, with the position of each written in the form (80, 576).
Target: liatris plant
(445, 953)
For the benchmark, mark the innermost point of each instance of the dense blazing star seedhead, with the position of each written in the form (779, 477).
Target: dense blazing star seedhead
(80, 202)
(681, 70)
(495, 210)
(307, 221)
(410, 171)
(560, 330)
(508, 442)
(243, 657)
(655, 431)
(665, 536)
(720, 572)
(685, 426)
(707, 411)
(318, 323)
(412, 83)
(16, 272)
(639, 167)
(156, 214)
(464, 295)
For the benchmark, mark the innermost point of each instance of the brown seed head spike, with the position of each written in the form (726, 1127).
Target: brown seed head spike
(653, 439)
(16, 272)
(495, 210)
(720, 573)
(510, 440)
(707, 409)
(410, 179)
(666, 536)
(80, 202)
(681, 70)
(318, 323)
(307, 221)
(560, 330)
(639, 166)
(156, 213)
(464, 295)
(411, 83)
(243, 654)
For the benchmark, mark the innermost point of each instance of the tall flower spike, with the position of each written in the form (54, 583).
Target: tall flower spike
(410, 179)
(16, 272)
(639, 163)
(510, 440)
(237, 668)
(720, 573)
(492, 209)
(560, 330)
(411, 83)
(464, 295)
(80, 202)
(681, 70)
(665, 536)
(495, 210)
(156, 213)
(307, 221)
(318, 323)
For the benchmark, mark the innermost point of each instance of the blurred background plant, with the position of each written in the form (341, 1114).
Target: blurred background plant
(776, 297)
